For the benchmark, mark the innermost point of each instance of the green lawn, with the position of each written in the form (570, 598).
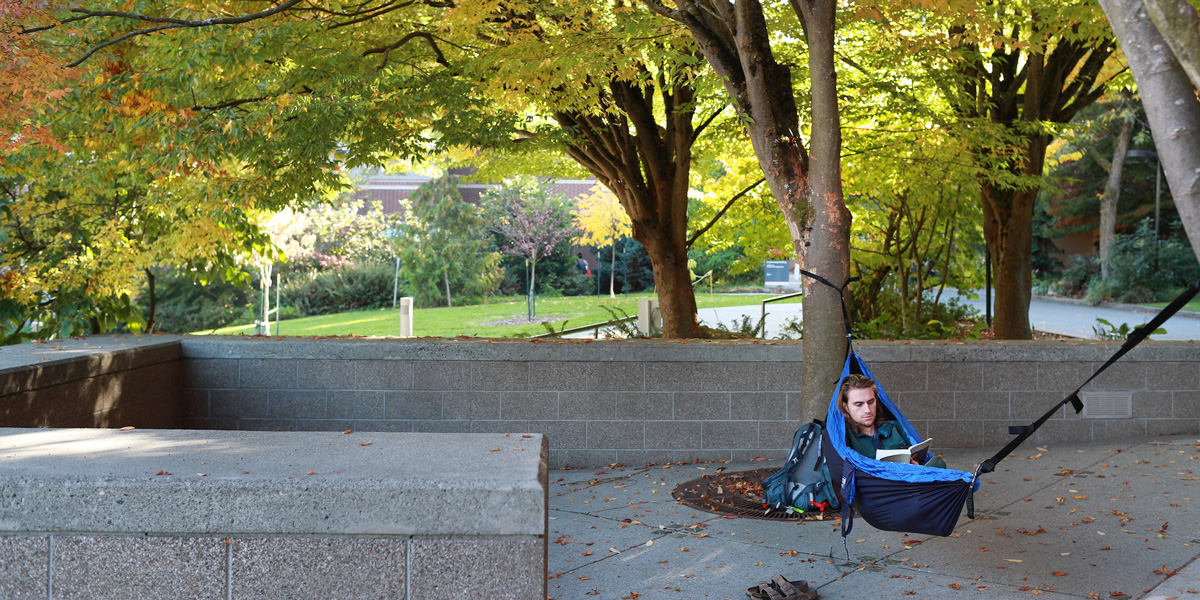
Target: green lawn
(468, 320)
(1194, 305)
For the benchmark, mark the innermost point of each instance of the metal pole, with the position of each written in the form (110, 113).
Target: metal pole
(396, 284)
(277, 286)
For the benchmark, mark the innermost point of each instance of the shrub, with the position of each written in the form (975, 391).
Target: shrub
(1081, 270)
(184, 305)
(354, 287)
(1136, 274)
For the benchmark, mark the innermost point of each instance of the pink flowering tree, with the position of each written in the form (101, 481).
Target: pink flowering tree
(531, 221)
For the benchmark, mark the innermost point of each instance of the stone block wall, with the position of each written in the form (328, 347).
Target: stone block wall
(262, 515)
(120, 381)
(639, 402)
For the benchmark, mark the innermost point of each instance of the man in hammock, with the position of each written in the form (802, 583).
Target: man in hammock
(866, 431)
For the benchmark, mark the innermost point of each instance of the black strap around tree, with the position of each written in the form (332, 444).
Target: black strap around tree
(842, 301)
(1023, 432)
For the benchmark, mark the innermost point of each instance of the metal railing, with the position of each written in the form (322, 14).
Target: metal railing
(708, 276)
(595, 326)
(763, 304)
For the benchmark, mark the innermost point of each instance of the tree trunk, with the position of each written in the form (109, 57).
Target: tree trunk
(1008, 228)
(153, 305)
(737, 44)
(829, 254)
(612, 273)
(673, 284)
(446, 279)
(1171, 106)
(1179, 25)
(532, 297)
(1018, 88)
(1112, 194)
(647, 165)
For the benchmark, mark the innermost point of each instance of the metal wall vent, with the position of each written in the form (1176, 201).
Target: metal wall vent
(1108, 405)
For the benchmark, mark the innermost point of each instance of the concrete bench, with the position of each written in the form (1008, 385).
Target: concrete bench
(95, 513)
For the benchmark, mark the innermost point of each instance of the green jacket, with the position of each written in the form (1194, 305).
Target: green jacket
(889, 435)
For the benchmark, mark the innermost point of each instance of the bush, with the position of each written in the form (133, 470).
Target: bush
(183, 305)
(1081, 270)
(354, 287)
(1137, 275)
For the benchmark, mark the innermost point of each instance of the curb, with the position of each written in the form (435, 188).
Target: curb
(1149, 310)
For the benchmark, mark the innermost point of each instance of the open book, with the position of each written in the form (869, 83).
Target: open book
(904, 455)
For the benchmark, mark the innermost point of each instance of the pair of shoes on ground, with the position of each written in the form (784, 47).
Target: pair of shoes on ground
(779, 588)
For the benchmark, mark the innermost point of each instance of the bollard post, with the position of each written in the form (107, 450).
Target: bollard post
(406, 317)
(649, 317)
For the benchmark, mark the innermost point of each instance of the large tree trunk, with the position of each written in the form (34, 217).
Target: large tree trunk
(1018, 88)
(152, 306)
(1112, 195)
(824, 322)
(647, 167)
(1179, 25)
(1008, 228)
(736, 42)
(1171, 106)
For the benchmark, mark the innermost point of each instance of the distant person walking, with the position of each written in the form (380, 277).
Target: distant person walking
(582, 265)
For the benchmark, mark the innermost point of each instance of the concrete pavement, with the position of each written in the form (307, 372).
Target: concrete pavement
(1103, 521)
(1076, 318)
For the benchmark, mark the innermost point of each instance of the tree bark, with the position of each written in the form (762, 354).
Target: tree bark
(1179, 24)
(446, 279)
(646, 165)
(735, 40)
(1018, 89)
(1008, 228)
(1112, 194)
(829, 253)
(152, 307)
(1171, 106)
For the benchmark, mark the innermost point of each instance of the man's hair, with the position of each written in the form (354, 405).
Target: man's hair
(855, 381)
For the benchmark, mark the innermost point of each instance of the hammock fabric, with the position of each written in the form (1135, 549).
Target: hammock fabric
(892, 496)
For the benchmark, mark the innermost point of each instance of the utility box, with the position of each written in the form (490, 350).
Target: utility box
(406, 317)
(649, 317)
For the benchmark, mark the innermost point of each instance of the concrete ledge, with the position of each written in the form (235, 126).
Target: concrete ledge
(26, 367)
(167, 514)
(108, 481)
(730, 351)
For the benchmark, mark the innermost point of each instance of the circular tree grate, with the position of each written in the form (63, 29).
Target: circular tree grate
(738, 493)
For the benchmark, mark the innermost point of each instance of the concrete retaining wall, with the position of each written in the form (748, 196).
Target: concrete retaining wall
(110, 381)
(597, 402)
(647, 401)
(151, 514)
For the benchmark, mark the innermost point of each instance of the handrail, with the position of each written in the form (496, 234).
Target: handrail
(595, 326)
(710, 281)
(763, 304)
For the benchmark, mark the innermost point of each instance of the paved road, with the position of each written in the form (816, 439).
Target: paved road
(1053, 315)
(1076, 319)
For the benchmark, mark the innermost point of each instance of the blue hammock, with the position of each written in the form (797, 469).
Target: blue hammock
(892, 496)
(917, 499)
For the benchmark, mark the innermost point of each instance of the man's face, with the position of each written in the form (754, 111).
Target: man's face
(861, 404)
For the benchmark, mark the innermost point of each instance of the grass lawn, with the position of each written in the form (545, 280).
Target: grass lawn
(1194, 305)
(469, 320)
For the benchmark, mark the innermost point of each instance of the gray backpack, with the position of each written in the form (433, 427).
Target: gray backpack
(803, 483)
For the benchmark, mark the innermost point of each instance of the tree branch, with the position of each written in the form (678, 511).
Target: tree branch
(721, 213)
(385, 50)
(169, 23)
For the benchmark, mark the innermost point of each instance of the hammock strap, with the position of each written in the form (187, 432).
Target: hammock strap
(1023, 432)
(841, 290)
